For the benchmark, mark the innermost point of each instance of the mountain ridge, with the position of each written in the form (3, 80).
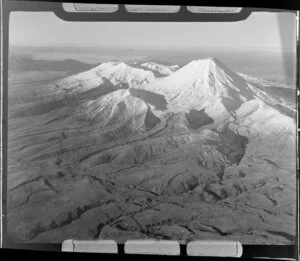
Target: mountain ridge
(19, 63)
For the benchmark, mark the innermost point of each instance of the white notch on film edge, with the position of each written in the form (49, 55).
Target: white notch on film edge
(90, 8)
(152, 247)
(157, 247)
(97, 246)
(215, 248)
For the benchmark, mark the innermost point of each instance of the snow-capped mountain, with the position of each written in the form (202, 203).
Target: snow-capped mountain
(200, 153)
(207, 83)
(203, 93)
(199, 80)
(160, 68)
(112, 75)
(116, 108)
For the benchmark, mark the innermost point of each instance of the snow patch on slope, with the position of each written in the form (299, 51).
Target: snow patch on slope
(160, 68)
(257, 117)
(117, 108)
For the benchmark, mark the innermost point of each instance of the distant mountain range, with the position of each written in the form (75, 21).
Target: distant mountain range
(21, 63)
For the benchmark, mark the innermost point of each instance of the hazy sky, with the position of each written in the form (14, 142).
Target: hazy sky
(260, 30)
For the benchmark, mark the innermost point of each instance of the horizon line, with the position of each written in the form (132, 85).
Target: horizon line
(153, 47)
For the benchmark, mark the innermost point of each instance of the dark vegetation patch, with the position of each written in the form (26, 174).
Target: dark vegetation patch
(196, 119)
(157, 100)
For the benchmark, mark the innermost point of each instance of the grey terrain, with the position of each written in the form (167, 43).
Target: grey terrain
(143, 150)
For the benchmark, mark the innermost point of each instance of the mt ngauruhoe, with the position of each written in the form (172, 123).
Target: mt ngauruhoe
(146, 150)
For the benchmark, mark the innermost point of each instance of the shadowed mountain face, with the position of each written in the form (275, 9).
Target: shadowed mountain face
(124, 151)
(152, 98)
(198, 118)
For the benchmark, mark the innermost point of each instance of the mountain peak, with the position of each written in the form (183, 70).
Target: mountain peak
(209, 59)
(209, 64)
(115, 73)
(208, 74)
(192, 84)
